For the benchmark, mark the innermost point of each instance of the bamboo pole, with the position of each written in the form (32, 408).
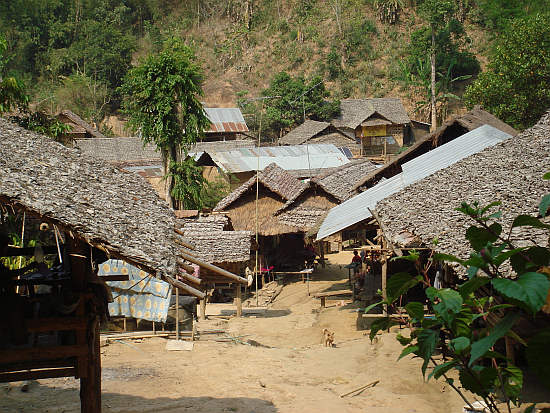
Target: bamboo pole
(211, 267)
(188, 289)
(189, 277)
(185, 266)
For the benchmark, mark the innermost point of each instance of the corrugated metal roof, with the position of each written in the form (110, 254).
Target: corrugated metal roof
(296, 157)
(225, 120)
(452, 152)
(356, 210)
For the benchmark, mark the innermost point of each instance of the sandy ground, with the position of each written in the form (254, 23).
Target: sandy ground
(290, 372)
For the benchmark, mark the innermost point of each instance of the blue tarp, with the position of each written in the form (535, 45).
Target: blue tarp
(142, 296)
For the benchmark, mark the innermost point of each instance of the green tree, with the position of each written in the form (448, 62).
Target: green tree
(296, 98)
(161, 98)
(12, 90)
(516, 85)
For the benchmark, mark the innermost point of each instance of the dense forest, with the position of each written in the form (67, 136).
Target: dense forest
(74, 54)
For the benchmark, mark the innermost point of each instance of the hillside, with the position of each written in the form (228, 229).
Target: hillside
(74, 55)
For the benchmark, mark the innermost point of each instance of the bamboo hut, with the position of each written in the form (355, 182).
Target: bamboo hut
(96, 211)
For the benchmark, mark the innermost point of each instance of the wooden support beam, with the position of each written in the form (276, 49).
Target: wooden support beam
(184, 287)
(183, 243)
(90, 386)
(42, 353)
(114, 277)
(189, 277)
(211, 267)
(238, 299)
(37, 374)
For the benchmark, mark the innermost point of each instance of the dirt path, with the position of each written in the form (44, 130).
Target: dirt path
(290, 372)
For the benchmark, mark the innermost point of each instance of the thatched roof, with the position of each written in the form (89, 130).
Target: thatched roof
(213, 242)
(355, 111)
(304, 212)
(218, 247)
(213, 222)
(120, 151)
(107, 208)
(304, 132)
(450, 130)
(81, 123)
(274, 178)
(340, 182)
(509, 172)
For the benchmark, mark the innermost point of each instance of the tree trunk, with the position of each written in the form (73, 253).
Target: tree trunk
(167, 178)
(432, 62)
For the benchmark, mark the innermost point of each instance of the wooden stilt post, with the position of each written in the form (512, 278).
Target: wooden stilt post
(202, 314)
(90, 386)
(322, 253)
(238, 299)
(89, 367)
(384, 278)
(124, 323)
(177, 314)
(154, 330)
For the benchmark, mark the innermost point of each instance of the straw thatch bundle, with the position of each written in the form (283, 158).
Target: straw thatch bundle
(509, 172)
(115, 211)
(307, 209)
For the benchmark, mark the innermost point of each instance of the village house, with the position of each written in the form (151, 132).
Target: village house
(381, 126)
(312, 131)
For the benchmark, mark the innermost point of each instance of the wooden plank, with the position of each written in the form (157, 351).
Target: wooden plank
(40, 364)
(37, 374)
(42, 353)
(29, 251)
(55, 324)
(332, 293)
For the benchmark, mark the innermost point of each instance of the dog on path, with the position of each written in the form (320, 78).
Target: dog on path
(328, 338)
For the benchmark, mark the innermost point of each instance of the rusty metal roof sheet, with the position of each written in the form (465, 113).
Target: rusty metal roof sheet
(225, 120)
